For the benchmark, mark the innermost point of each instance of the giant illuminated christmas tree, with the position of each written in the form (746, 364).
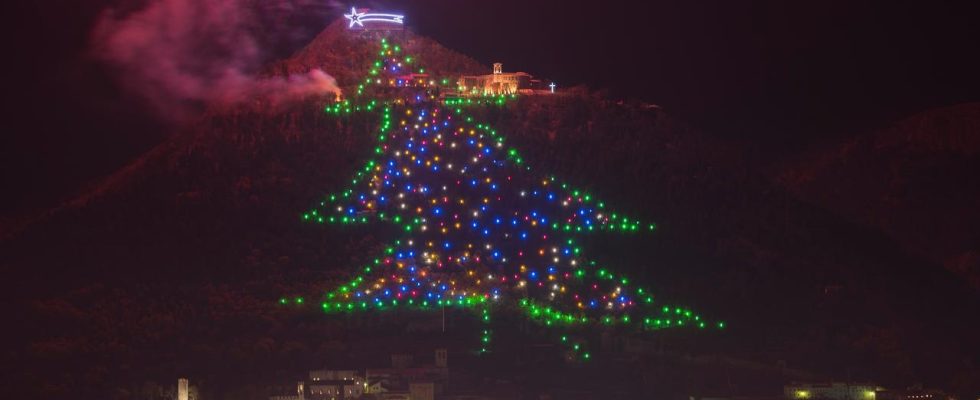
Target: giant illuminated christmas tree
(480, 229)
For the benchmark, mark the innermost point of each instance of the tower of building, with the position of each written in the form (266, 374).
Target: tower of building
(498, 68)
(183, 388)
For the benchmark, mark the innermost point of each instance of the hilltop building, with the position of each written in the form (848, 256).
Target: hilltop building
(500, 83)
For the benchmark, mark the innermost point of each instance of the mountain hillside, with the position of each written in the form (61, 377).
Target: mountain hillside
(344, 56)
(174, 265)
(916, 180)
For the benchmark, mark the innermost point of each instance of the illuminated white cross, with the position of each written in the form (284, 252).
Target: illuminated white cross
(359, 19)
(552, 86)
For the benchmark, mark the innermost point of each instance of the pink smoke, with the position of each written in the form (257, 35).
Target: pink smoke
(180, 55)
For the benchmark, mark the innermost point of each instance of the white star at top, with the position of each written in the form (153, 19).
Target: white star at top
(354, 17)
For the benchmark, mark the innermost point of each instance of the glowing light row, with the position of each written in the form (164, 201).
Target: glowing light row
(359, 18)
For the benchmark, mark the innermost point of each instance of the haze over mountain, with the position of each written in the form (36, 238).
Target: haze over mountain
(172, 265)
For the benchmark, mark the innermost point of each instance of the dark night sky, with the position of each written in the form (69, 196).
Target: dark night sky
(782, 75)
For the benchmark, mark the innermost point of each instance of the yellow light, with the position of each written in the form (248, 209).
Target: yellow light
(802, 394)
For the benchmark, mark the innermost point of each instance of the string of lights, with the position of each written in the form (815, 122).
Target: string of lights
(480, 228)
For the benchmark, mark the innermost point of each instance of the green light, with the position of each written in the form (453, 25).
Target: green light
(386, 132)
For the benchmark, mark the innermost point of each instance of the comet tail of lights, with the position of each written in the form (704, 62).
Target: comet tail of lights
(358, 18)
(480, 229)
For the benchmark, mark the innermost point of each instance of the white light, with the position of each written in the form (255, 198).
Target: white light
(359, 19)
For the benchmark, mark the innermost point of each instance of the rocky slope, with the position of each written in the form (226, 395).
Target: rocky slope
(916, 180)
(173, 265)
